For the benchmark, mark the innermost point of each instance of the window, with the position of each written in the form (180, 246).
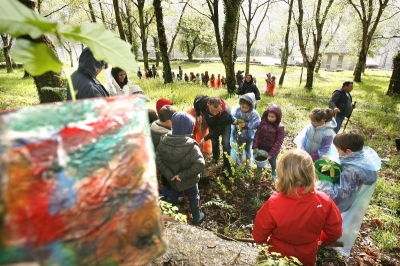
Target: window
(340, 61)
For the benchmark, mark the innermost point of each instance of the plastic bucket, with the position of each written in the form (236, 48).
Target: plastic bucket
(262, 163)
(321, 176)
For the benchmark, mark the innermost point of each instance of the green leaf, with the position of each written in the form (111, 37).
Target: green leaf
(104, 44)
(17, 20)
(37, 58)
(325, 168)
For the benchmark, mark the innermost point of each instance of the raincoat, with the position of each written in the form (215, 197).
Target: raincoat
(293, 224)
(252, 120)
(354, 191)
(317, 141)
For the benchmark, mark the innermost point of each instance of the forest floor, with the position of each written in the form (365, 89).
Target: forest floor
(230, 205)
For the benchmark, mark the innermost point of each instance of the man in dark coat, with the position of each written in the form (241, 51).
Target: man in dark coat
(341, 103)
(239, 77)
(84, 78)
(219, 120)
(248, 86)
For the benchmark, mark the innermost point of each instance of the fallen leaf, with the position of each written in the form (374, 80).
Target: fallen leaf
(360, 262)
(370, 252)
(376, 222)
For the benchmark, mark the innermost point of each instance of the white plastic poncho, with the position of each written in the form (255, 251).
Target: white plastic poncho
(317, 141)
(353, 192)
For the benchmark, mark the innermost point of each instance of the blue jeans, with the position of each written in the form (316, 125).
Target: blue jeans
(192, 194)
(226, 145)
(339, 120)
(272, 162)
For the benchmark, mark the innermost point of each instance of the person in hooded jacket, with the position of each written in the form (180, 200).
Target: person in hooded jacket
(245, 130)
(317, 137)
(270, 135)
(219, 120)
(354, 190)
(84, 78)
(117, 82)
(180, 160)
(248, 86)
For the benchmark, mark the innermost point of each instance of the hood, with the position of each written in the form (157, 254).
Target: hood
(331, 124)
(182, 123)
(250, 98)
(175, 148)
(88, 64)
(273, 108)
(366, 159)
(223, 107)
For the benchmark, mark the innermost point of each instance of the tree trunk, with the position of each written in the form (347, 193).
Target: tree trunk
(48, 79)
(362, 59)
(310, 76)
(162, 41)
(285, 53)
(91, 11)
(230, 30)
(143, 33)
(318, 65)
(394, 85)
(103, 18)
(7, 42)
(119, 21)
(157, 50)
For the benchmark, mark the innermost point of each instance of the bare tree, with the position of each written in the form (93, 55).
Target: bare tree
(7, 43)
(369, 13)
(91, 11)
(285, 51)
(178, 27)
(319, 18)
(145, 19)
(162, 39)
(118, 20)
(261, 9)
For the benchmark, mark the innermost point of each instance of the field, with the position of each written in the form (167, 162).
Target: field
(377, 116)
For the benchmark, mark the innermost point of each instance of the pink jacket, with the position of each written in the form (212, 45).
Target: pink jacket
(295, 225)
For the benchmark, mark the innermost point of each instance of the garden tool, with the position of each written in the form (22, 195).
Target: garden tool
(348, 118)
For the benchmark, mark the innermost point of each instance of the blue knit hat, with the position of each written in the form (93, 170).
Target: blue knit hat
(182, 123)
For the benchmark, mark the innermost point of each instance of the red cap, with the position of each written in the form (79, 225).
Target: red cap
(161, 102)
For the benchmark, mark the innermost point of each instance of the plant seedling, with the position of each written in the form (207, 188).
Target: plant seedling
(329, 166)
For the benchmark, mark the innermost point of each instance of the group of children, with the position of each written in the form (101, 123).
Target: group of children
(320, 211)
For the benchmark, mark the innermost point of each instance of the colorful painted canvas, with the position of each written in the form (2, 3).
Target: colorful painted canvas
(78, 184)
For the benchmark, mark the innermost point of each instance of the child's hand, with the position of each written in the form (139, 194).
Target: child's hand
(176, 178)
(269, 157)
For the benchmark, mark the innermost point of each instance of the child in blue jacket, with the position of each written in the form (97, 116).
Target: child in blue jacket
(247, 119)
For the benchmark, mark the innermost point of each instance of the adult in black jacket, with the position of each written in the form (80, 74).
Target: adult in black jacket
(341, 103)
(84, 78)
(248, 86)
(219, 120)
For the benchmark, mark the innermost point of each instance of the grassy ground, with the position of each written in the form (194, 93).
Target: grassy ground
(376, 115)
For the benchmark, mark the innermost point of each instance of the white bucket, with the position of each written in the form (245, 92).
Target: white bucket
(263, 163)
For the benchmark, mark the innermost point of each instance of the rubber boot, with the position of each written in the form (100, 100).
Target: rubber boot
(273, 174)
(198, 216)
(174, 201)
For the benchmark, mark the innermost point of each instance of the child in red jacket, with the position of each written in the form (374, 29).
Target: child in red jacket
(294, 219)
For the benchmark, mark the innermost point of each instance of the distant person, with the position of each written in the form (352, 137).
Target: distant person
(154, 71)
(239, 77)
(180, 71)
(180, 160)
(297, 217)
(242, 132)
(149, 73)
(218, 117)
(317, 138)
(218, 83)
(223, 81)
(212, 81)
(268, 84)
(117, 82)
(354, 190)
(342, 103)
(186, 78)
(203, 79)
(270, 135)
(255, 81)
(84, 78)
(206, 78)
(248, 86)
(198, 78)
(139, 74)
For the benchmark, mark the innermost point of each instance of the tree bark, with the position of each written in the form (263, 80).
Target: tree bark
(143, 25)
(7, 43)
(103, 18)
(119, 21)
(285, 52)
(162, 40)
(157, 49)
(48, 79)
(394, 85)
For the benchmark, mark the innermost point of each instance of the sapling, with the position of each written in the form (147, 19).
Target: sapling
(329, 166)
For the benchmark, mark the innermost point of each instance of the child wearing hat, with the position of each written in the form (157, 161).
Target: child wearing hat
(180, 160)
